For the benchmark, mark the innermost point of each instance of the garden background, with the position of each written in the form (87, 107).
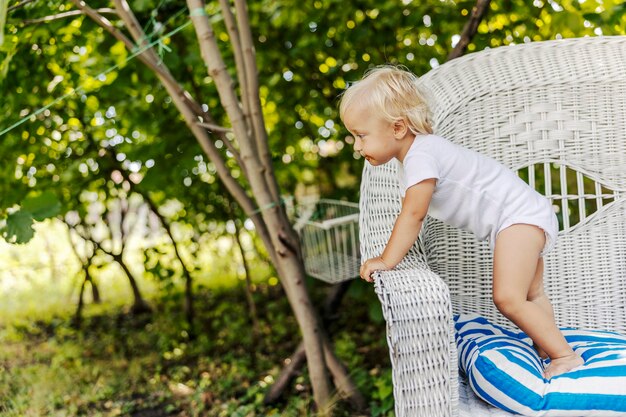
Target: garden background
(133, 281)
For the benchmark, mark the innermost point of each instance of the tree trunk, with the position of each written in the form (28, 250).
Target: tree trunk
(95, 292)
(78, 315)
(190, 313)
(476, 16)
(312, 334)
(282, 241)
(256, 328)
(188, 306)
(292, 367)
(139, 305)
(342, 381)
(251, 152)
(85, 268)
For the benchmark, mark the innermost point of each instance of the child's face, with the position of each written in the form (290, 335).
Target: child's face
(374, 137)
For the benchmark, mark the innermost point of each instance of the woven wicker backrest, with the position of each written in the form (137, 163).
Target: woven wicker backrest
(555, 112)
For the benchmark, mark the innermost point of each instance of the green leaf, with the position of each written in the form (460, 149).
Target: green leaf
(43, 206)
(92, 104)
(594, 18)
(19, 227)
(3, 19)
(375, 313)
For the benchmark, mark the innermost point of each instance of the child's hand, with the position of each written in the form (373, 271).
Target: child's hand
(372, 265)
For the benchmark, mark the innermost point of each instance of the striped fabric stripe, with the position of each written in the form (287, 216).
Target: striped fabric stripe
(503, 369)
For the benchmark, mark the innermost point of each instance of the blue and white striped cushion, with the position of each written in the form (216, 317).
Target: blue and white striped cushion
(503, 369)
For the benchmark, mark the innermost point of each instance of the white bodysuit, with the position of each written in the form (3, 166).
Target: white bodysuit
(474, 192)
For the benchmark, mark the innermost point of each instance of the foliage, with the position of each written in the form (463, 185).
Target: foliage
(121, 364)
(85, 124)
(307, 54)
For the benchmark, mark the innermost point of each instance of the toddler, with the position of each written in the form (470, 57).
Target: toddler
(388, 116)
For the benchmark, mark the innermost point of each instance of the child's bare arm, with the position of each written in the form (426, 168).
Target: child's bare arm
(409, 222)
(405, 231)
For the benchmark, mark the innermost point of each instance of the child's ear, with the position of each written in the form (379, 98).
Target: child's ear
(400, 128)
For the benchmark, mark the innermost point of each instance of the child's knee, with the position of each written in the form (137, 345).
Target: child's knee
(508, 303)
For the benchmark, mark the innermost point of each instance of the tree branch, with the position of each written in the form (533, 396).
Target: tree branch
(256, 110)
(478, 12)
(215, 128)
(217, 70)
(108, 26)
(64, 15)
(137, 32)
(207, 117)
(186, 105)
(233, 32)
(20, 4)
(161, 70)
(133, 26)
(251, 165)
(221, 131)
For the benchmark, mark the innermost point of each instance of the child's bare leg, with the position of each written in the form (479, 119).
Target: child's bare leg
(537, 295)
(516, 260)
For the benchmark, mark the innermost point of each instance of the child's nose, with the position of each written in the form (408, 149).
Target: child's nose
(358, 144)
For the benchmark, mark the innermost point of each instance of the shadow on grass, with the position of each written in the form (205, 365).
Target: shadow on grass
(121, 364)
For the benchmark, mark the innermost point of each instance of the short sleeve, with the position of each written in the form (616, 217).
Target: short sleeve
(418, 167)
(401, 179)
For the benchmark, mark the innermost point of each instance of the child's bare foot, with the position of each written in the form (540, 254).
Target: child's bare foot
(563, 364)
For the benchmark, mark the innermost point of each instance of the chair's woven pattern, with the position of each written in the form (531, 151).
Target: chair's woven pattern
(473, 406)
(416, 307)
(585, 276)
(553, 104)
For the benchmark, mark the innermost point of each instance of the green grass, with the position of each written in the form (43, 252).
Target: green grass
(119, 364)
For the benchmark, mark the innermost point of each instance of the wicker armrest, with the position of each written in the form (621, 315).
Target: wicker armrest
(420, 334)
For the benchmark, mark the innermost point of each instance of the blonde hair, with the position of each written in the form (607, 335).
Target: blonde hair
(393, 92)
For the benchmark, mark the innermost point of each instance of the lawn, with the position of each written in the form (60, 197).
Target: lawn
(119, 364)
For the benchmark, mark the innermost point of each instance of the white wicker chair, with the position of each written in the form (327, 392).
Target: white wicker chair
(555, 112)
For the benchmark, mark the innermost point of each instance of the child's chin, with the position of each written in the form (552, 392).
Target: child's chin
(374, 162)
